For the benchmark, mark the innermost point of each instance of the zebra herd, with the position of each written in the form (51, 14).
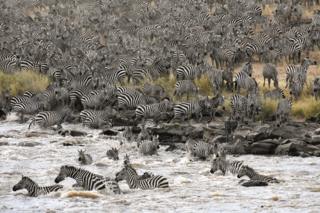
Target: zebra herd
(106, 60)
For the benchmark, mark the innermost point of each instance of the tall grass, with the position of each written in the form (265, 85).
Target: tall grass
(20, 82)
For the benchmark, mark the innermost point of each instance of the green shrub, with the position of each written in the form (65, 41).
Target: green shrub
(20, 82)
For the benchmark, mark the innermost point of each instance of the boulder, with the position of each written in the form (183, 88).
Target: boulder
(264, 147)
(315, 140)
(295, 148)
(317, 131)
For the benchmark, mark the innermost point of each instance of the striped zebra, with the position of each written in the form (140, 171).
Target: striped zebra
(243, 80)
(156, 91)
(147, 147)
(8, 63)
(47, 119)
(239, 105)
(187, 87)
(200, 149)
(34, 190)
(26, 106)
(96, 99)
(296, 88)
(253, 175)
(135, 181)
(283, 111)
(187, 109)
(188, 72)
(115, 76)
(254, 105)
(84, 158)
(316, 87)
(130, 100)
(26, 64)
(153, 110)
(270, 73)
(247, 68)
(88, 180)
(219, 162)
(216, 80)
(274, 94)
(300, 72)
(96, 118)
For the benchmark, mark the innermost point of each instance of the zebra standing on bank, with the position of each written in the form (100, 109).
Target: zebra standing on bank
(26, 105)
(253, 175)
(270, 73)
(188, 72)
(243, 80)
(8, 62)
(34, 190)
(185, 87)
(216, 80)
(247, 68)
(275, 94)
(298, 72)
(187, 109)
(283, 111)
(130, 100)
(153, 110)
(316, 87)
(239, 105)
(96, 118)
(47, 119)
(200, 149)
(134, 181)
(88, 180)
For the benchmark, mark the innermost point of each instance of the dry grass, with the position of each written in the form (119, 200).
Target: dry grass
(83, 194)
(20, 82)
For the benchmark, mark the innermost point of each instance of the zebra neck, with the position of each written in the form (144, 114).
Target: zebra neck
(73, 173)
(32, 188)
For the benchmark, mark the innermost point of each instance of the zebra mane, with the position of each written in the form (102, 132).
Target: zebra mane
(29, 180)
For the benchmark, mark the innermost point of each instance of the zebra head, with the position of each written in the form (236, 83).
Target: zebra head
(64, 172)
(81, 155)
(244, 171)
(23, 183)
(214, 164)
(113, 153)
(122, 175)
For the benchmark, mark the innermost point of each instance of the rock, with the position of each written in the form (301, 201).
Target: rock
(29, 143)
(238, 148)
(73, 133)
(219, 139)
(295, 148)
(4, 143)
(109, 132)
(265, 147)
(252, 183)
(317, 131)
(315, 140)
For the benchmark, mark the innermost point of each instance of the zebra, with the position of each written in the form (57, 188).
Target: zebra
(129, 100)
(26, 106)
(8, 63)
(200, 149)
(219, 162)
(253, 105)
(156, 91)
(147, 147)
(301, 71)
(296, 88)
(96, 118)
(34, 190)
(134, 181)
(84, 158)
(243, 80)
(113, 153)
(239, 105)
(253, 175)
(185, 87)
(283, 110)
(188, 72)
(247, 68)
(96, 99)
(31, 65)
(316, 87)
(216, 80)
(274, 94)
(88, 180)
(187, 109)
(270, 72)
(46, 119)
(153, 110)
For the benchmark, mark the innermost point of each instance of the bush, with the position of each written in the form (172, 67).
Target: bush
(20, 82)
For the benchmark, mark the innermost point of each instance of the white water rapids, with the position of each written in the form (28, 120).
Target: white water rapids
(192, 187)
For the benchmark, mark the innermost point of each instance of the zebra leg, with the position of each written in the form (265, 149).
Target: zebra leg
(264, 81)
(269, 82)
